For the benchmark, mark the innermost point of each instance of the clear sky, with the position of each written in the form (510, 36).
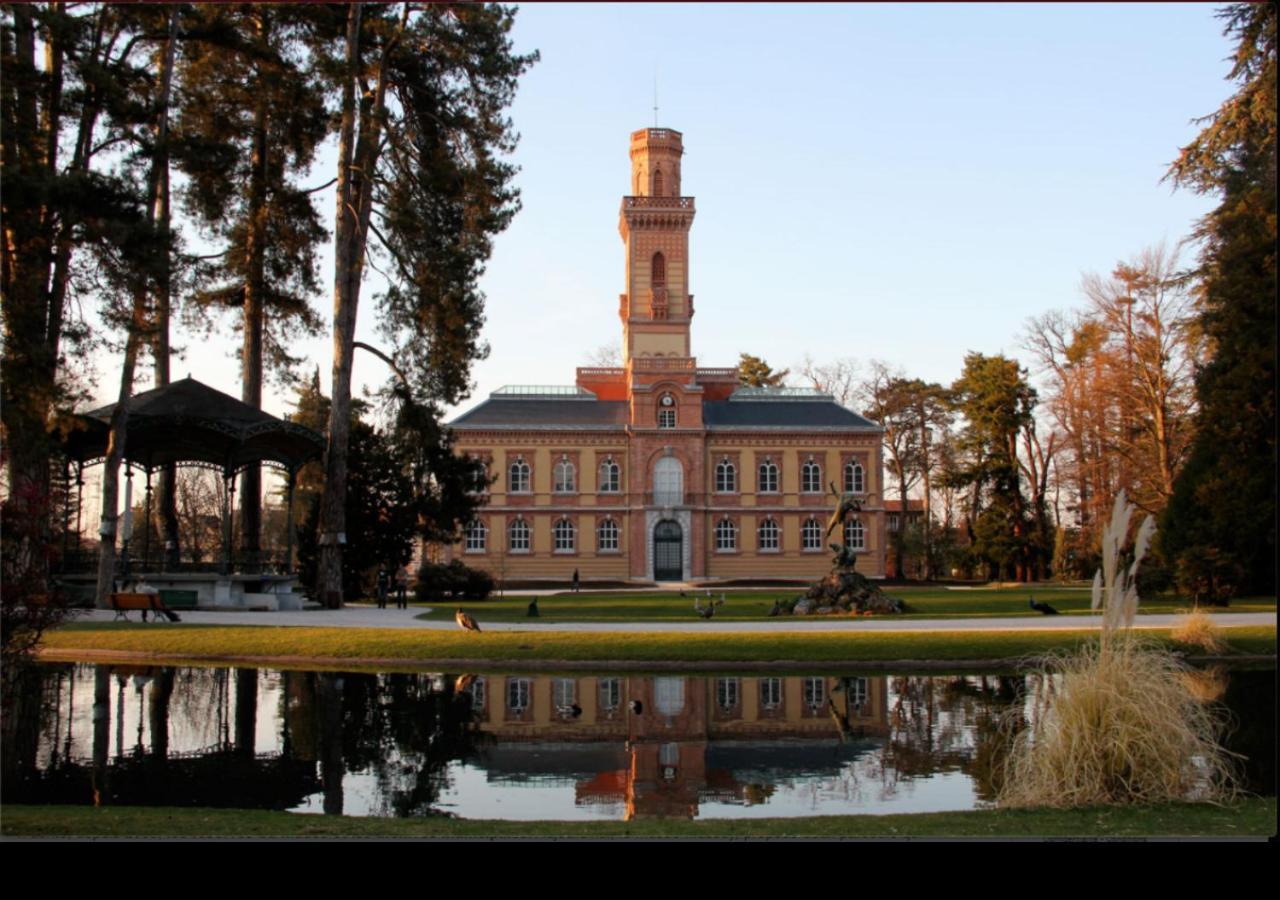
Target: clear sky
(901, 182)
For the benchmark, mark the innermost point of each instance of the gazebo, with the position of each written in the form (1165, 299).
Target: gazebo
(189, 424)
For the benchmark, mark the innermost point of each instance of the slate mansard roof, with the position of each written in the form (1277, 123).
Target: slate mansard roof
(571, 408)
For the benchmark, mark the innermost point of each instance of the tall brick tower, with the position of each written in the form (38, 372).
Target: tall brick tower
(657, 308)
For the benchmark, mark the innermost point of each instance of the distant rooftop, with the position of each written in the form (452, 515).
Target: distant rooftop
(535, 391)
(779, 393)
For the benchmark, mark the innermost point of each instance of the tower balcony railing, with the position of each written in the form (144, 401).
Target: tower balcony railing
(657, 203)
(663, 364)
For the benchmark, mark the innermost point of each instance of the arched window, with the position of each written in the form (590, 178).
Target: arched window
(726, 477)
(607, 536)
(770, 693)
(855, 481)
(815, 693)
(477, 536)
(657, 183)
(812, 533)
(666, 411)
(768, 534)
(610, 693)
(519, 695)
(610, 477)
(726, 536)
(855, 536)
(728, 693)
(668, 482)
(811, 477)
(566, 480)
(564, 536)
(479, 477)
(518, 536)
(768, 477)
(659, 272)
(518, 476)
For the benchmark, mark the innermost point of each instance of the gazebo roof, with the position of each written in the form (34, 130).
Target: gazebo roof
(190, 422)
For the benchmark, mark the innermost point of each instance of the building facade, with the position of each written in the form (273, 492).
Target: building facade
(661, 470)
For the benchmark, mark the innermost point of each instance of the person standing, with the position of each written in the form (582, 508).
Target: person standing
(384, 585)
(402, 587)
(577, 582)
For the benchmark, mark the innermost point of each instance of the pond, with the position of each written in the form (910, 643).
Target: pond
(521, 746)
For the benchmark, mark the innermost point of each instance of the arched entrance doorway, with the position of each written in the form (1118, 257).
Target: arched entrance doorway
(668, 543)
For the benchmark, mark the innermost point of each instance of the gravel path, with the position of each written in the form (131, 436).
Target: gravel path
(372, 617)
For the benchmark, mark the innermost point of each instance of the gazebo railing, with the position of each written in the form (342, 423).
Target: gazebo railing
(85, 562)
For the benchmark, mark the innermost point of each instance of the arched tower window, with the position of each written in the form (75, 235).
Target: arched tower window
(659, 270)
(657, 183)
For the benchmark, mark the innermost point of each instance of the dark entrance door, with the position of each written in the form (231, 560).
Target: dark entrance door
(667, 546)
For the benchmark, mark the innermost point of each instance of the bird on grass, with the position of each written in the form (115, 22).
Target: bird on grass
(533, 609)
(465, 621)
(777, 609)
(1042, 607)
(710, 609)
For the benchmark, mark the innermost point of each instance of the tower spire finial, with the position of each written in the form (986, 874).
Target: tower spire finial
(655, 95)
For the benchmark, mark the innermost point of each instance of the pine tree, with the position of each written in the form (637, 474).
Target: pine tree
(996, 402)
(1220, 522)
(423, 92)
(755, 372)
(253, 113)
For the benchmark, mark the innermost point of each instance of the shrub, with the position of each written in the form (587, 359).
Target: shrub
(452, 581)
(1196, 629)
(1117, 721)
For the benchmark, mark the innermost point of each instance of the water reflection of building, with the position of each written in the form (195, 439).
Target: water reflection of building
(685, 739)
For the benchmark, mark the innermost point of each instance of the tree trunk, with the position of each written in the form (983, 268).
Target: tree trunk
(160, 348)
(138, 334)
(333, 501)
(254, 301)
(358, 150)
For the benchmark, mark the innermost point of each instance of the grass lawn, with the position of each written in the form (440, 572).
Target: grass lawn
(742, 605)
(1254, 817)
(381, 646)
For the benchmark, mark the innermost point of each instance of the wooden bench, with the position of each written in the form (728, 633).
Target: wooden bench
(122, 602)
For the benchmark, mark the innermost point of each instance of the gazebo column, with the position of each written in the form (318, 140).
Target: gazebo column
(79, 503)
(289, 532)
(66, 515)
(146, 528)
(228, 504)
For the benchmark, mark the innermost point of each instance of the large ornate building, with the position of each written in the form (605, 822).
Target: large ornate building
(660, 470)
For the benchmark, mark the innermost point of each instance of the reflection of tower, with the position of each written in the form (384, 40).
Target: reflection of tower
(668, 747)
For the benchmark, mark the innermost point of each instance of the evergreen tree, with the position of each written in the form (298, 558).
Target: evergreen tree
(997, 403)
(755, 372)
(423, 92)
(1220, 522)
(61, 210)
(253, 113)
